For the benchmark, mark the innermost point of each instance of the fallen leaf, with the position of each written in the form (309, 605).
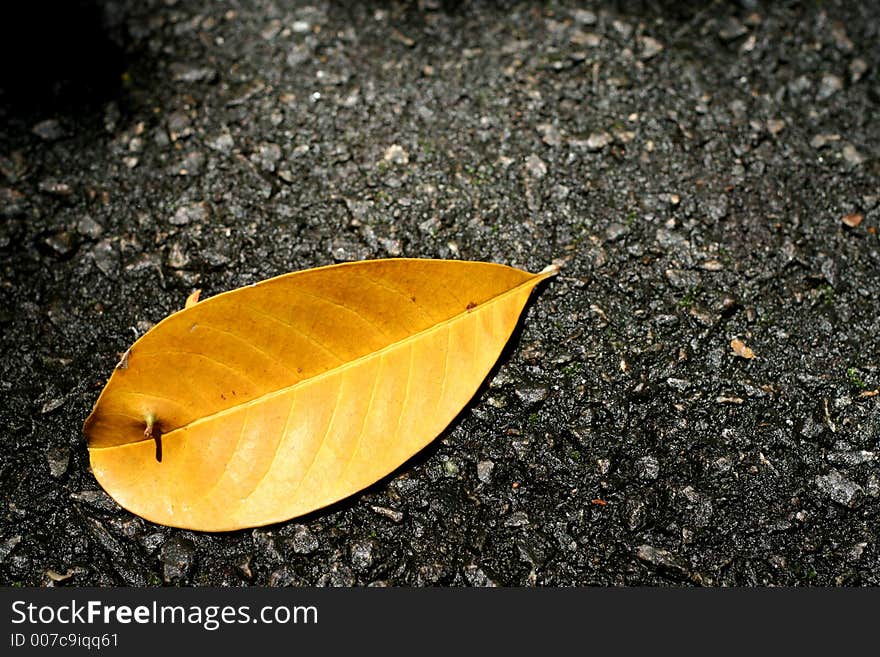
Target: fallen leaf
(277, 399)
(740, 349)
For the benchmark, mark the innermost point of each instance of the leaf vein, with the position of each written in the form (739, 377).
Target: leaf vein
(247, 342)
(363, 423)
(296, 329)
(321, 444)
(273, 459)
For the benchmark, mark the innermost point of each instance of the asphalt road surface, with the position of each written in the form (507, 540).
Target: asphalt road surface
(709, 175)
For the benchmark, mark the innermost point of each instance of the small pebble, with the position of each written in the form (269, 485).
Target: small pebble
(678, 384)
(271, 30)
(828, 86)
(777, 561)
(623, 28)
(55, 188)
(682, 278)
(266, 545)
(52, 405)
(635, 511)
(395, 154)
(703, 316)
(484, 471)
(179, 125)
(58, 459)
(731, 29)
(347, 249)
(584, 16)
(647, 467)
(151, 542)
(857, 68)
(12, 202)
(243, 565)
(872, 487)
(740, 349)
(718, 207)
(841, 39)
(475, 576)
(267, 156)
(616, 231)
(597, 141)
(392, 514)
(222, 143)
(178, 556)
(191, 213)
(392, 247)
(850, 458)
(213, 260)
(97, 499)
(63, 243)
(339, 575)
(48, 130)
(775, 126)
(840, 489)
(650, 48)
(531, 395)
(852, 220)
(191, 164)
(106, 258)
(588, 39)
(661, 558)
(88, 227)
(666, 320)
(822, 140)
(297, 55)
(535, 166)
(282, 576)
(181, 72)
(7, 545)
(550, 135)
(363, 553)
(852, 156)
(800, 85)
(517, 519)
(303, 541)
(177, 256)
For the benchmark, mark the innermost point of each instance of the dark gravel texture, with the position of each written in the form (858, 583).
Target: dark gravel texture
(696, 166)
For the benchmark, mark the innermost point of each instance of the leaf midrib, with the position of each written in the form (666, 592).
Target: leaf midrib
(339, 369)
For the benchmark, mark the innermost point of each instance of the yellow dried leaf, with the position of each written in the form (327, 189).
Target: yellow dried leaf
(276, 399)
(740, 349)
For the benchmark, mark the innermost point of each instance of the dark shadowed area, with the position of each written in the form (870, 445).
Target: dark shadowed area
(708, 172)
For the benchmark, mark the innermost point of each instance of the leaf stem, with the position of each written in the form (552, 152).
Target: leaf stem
(152, 431)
